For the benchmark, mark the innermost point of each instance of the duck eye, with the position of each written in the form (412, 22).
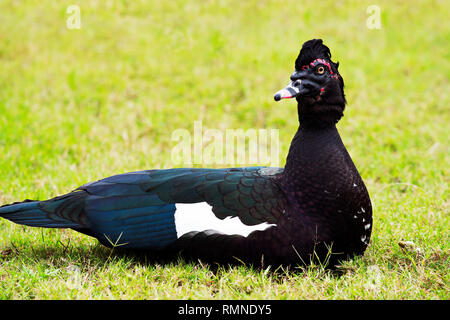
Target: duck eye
(320, 70)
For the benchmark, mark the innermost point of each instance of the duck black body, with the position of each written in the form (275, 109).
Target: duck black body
(316, 207)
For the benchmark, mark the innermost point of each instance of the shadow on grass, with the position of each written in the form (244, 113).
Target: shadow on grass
(59, 254)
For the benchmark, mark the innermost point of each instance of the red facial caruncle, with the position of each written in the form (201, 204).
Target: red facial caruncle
(320, 61)
(315, 63)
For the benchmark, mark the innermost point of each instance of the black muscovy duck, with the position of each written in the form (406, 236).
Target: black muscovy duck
(317, 206)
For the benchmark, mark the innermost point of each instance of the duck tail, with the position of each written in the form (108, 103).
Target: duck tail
(29, 213)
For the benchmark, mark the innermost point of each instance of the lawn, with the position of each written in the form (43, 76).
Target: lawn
(77, 105)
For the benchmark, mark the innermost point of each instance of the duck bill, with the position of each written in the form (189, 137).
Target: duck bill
(287, 93)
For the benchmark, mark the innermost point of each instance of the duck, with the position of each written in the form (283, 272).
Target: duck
(314, 209)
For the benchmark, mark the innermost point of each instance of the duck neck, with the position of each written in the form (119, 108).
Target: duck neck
(319, 116)
(311, 142)
(314, 150)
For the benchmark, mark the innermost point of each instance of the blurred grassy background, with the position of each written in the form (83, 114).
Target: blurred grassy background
(80, 105)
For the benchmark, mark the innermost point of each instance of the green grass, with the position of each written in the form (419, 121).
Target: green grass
(80, 105)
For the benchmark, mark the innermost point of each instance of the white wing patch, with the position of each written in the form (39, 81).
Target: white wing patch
(199, 216)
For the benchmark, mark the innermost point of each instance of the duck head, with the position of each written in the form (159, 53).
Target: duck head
(316, 84)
